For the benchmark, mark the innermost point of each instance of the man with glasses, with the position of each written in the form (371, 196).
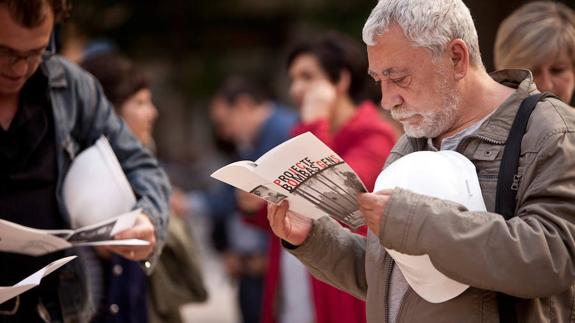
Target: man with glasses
(11, 57)
(50, 110)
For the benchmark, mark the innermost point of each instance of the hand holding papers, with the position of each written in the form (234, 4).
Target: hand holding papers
(96, 190)
(447, 175)
(98, 198)
(31, 281)
(317, 182)
(24, 240)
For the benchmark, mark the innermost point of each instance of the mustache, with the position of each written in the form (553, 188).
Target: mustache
(401, 113)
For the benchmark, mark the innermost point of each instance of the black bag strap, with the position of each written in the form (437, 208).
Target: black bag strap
(508, 183)
(508, 179)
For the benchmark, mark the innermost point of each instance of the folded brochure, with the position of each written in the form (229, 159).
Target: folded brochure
(303, 170)
(34, 242)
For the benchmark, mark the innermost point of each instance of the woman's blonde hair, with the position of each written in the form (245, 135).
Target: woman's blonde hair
(533, 33)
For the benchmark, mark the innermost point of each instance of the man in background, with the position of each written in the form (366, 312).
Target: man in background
(243, 113)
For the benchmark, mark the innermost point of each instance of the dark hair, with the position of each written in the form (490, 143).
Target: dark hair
(235, 86)
(29, 12)
(120, 79)
(336, 52)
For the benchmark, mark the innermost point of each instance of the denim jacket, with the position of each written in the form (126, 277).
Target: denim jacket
(81, 115)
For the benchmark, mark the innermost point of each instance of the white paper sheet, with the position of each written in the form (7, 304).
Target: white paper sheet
(34, 242)
(6, 293)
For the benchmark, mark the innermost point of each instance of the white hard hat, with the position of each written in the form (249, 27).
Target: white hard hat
(447, 175)
(95, 188)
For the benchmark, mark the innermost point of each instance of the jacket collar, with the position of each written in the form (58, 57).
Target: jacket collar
(497, 126)
(53, 69)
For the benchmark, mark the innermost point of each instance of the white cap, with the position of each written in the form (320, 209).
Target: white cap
(447, 175)
(95, 187)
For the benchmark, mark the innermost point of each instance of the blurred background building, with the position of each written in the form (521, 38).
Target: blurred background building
(189, 46)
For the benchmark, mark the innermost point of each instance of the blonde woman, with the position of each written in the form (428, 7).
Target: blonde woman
(540, 36)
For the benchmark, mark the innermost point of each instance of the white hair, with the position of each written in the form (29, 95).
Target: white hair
(429, 24)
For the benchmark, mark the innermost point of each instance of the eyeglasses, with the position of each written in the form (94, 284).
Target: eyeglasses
(10, 57)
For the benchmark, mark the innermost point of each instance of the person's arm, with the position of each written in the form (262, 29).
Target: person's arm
(531, 255)
(330, 252)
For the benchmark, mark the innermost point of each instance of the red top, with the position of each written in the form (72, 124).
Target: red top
(364, 143)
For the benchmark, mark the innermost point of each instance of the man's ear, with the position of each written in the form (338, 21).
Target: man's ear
(344, 82)
(459, 57)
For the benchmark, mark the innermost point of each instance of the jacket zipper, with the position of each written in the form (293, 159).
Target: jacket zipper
(401, 305)
(489, 140)
(488, 177)
(387, 285)
(463, 143)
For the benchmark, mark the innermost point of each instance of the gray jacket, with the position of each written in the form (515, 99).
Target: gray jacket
(81, 115)
(531, 256)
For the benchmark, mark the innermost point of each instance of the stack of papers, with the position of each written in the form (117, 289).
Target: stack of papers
(99, 200)
(35, 242)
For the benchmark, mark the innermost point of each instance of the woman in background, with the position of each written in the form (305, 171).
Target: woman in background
(127, 294)
(540, 36)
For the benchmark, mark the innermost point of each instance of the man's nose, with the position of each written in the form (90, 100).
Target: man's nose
(19, 68)
(389, 98)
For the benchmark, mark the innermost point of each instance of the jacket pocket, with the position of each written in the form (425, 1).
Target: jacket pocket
(467, 307)
(487, 152)
(487, 158)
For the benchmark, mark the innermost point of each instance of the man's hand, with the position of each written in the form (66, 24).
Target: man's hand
(371, 206)
(289, 226)
(143, 230)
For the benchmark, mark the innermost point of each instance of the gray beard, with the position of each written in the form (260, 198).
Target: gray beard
(435, 123)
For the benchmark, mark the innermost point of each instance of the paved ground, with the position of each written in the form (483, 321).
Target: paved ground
(221, 306)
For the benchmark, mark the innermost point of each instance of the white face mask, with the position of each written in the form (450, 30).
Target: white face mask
(447, 175)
